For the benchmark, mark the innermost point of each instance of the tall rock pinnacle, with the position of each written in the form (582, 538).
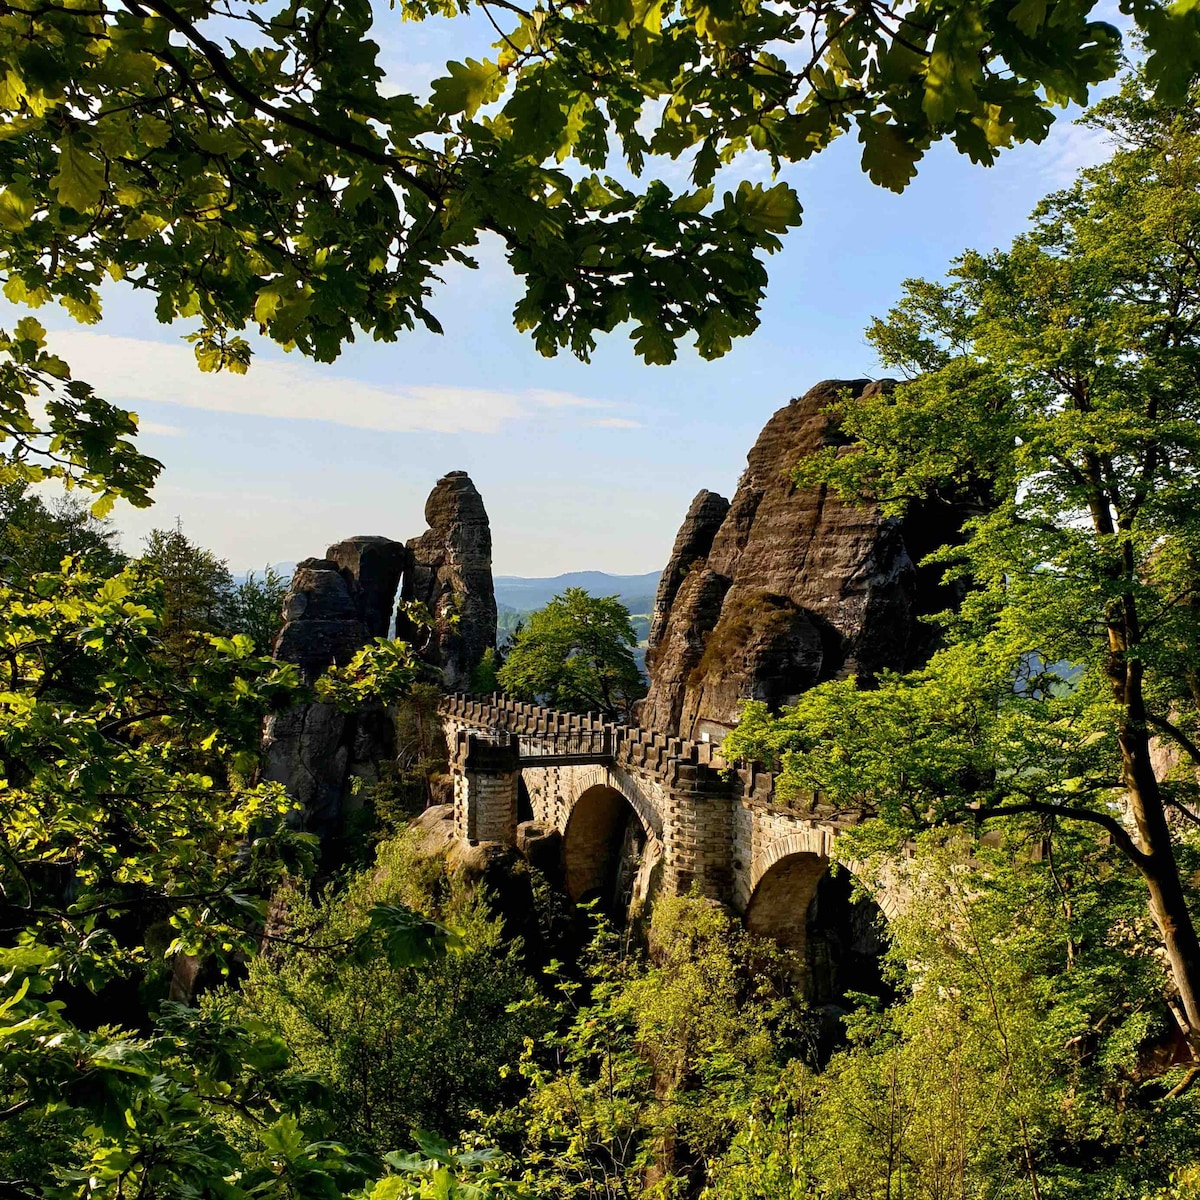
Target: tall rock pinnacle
(795, 587)
(450, 572)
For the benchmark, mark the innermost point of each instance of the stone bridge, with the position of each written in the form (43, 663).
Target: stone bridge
(638, 811)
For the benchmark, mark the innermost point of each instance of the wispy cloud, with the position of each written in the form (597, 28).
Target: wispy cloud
(130, 370)
(615, 423)
(159, 429)
(1069, 148)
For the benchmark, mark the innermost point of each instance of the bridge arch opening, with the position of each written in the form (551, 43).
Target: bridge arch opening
(524, 801)
(838, 938)
(608, 853)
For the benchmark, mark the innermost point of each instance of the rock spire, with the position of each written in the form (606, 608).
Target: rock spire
(449, 570)
(792, 588)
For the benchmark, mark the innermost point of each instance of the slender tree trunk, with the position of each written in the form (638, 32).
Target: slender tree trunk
(1155, 851)
(1157, 861)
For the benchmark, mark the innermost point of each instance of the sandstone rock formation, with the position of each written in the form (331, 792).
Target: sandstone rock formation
(692, 544)
(449, 570)
(334, 607)
(796, 586)
(372, 566)
(322, 621)
(339, 603)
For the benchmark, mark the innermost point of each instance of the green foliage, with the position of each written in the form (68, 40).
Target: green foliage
(199, 595)
(649, 1071)
(195, 584)
(1055, 395)
(1020, 1061)
(408, 1032)
(255, 607)
(274, 180)
(135, 840)
(576, 654)
(36, 535)
(484, 679)
(53, 426)
(438, 1172)
(131, 831)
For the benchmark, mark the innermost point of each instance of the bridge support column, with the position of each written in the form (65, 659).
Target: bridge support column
(698, 832)
(486, 777)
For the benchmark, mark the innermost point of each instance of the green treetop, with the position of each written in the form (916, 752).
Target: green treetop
(576, 654)
(1054, 387)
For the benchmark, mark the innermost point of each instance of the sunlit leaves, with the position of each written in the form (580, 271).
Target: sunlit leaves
(135, 835)
(279, 185)
(467, 87)
(80, 179)
(75, 436)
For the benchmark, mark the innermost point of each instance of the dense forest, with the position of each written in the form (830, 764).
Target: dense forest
(199, 997)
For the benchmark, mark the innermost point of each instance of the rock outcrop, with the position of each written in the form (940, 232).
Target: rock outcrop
(449, 570)
(372, 566)
(692, 544)
(339, 603)
(322, 618)
(334, 607)
(796, 587)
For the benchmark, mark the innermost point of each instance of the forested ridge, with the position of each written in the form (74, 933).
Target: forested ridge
(199, 997)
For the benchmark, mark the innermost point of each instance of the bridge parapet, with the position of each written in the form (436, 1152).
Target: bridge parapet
(718, 826)
(631, 746)
(647, 750)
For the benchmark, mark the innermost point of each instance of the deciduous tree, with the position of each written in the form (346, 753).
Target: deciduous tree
(1055, 386)
(576, 654)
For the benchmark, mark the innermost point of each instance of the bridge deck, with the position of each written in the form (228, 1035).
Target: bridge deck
(572, 748)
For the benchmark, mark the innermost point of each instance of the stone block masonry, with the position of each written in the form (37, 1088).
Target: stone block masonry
(486, 774)
(718, 830)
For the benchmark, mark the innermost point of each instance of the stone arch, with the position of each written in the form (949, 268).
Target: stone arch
(584, 779)
(610, 852)
(524, 800)
(797, 900)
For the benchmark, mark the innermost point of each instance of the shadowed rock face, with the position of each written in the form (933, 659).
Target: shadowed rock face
(450, 572)
(372, 566)
(796, 587)
(338, 604)
(322, 616)
(692, 544)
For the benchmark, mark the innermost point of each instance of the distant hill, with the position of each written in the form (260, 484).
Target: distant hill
(636, 592)
(286, 569)
(520, 594)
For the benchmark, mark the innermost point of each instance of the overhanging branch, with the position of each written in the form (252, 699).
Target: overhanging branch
(1117, 831)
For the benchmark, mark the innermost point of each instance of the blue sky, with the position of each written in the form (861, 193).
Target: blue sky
(581, 467)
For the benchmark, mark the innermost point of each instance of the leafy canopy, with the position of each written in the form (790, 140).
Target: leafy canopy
(576, 654)
(134, 840)
(252, 166)
(1054, 395)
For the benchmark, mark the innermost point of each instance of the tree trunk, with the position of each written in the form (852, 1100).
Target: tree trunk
(1160, 867)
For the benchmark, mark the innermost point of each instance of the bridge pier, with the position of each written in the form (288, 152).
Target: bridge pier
(487, 773)
(697, 831)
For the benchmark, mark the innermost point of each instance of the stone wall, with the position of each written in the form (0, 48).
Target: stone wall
(721, 829)
(485, 788)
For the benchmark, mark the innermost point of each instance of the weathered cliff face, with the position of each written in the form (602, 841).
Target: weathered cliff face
(339, 603)
(692, 544)
(796, 587)
(450, 572)
(308, 748)
(372, 567)
(323, 618)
